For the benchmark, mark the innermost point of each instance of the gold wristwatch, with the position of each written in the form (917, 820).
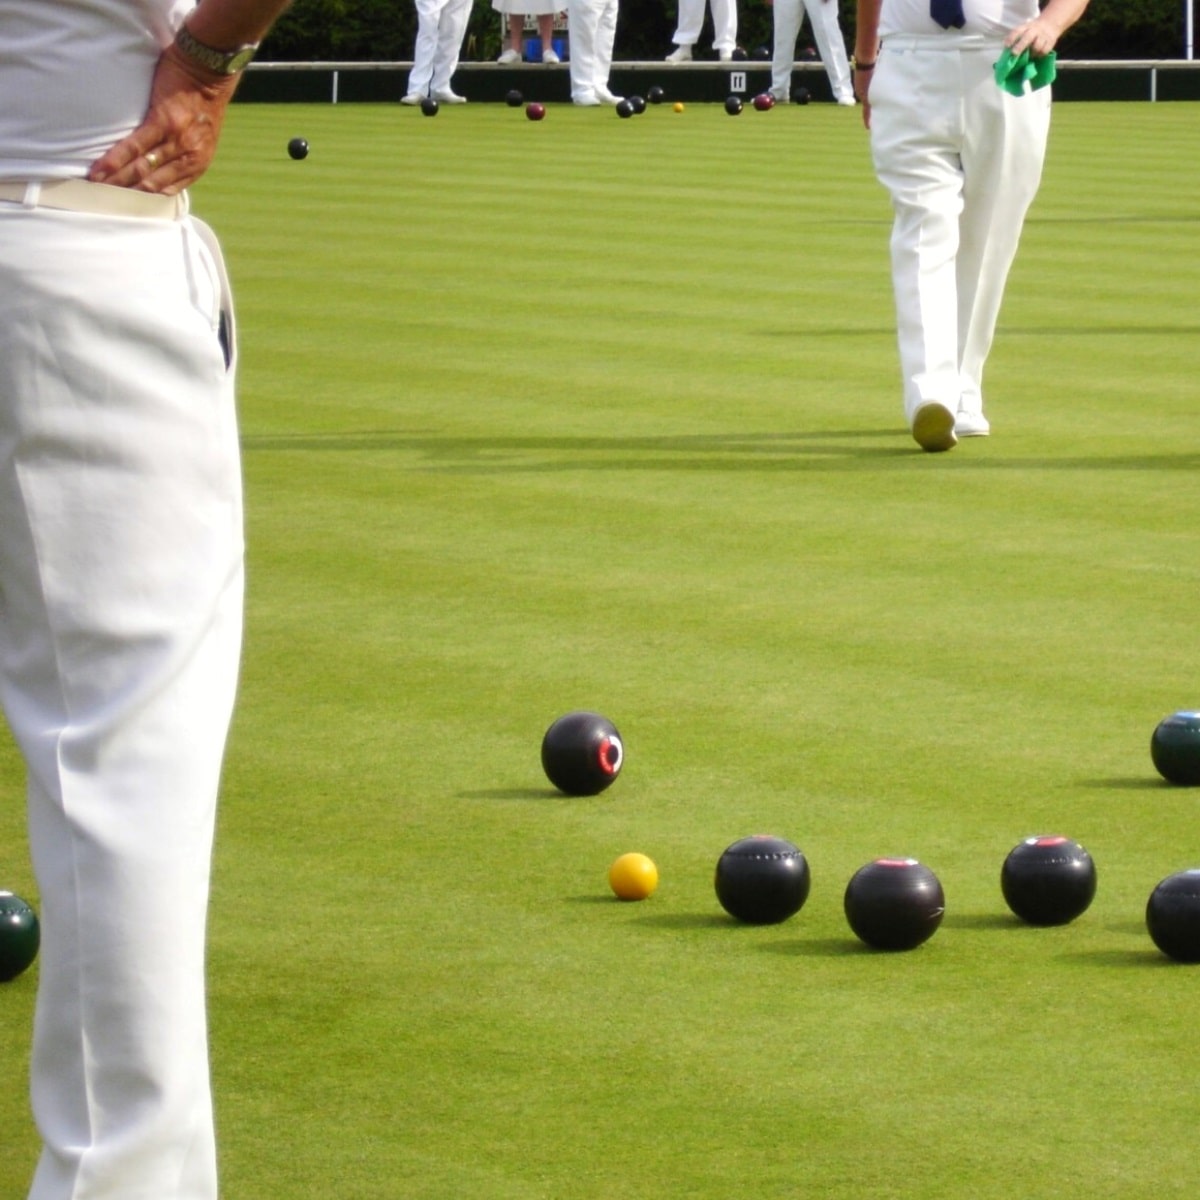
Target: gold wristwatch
(219, 62)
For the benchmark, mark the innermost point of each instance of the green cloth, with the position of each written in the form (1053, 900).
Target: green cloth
(1021, 73)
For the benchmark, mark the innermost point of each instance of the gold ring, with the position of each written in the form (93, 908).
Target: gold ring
(152, 159)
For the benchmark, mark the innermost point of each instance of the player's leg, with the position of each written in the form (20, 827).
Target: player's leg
(1003, 150)
(582, 19)
(452, 28)
(915, 134)
(120, 622)
(725, 26)
(689, 23)
(831, 46)
(786, 18)
(425, 48)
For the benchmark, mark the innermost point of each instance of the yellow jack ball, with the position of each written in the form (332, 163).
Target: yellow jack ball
(633, 877)
(678, 106)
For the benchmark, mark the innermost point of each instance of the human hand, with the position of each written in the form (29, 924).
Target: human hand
(177, 140)
(862, 92)
(1038, 36)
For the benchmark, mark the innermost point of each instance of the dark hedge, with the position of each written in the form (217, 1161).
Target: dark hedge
(385, 30)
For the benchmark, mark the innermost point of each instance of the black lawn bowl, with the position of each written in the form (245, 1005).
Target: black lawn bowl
(1175, 748)
(20, 936)
(1173, 916)
(762, 880)
(582, 753)
(1048, 880)
(894, 903)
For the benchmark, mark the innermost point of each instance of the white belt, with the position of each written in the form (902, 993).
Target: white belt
(80, 195)
(951, 39)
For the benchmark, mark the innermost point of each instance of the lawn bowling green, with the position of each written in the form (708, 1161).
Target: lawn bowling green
(605, 414)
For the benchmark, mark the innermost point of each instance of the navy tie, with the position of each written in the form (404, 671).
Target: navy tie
(947, 13)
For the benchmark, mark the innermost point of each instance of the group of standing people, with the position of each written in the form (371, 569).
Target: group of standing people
(788, 16)
(442, 25)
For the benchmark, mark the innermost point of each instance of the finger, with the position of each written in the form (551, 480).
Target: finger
(129, 173)
(1018, 39)
(121, 163)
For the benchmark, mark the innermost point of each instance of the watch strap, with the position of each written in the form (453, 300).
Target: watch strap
(220, 62)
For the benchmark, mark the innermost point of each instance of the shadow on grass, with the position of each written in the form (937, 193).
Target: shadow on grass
(1102, 331)
(1138, 783)
(441, 446)
(1150, 956)
(687, 921)
(517, 794)
(840, 449)
(1133, 928)
(796, 943)
(983, 921)
(847, 947)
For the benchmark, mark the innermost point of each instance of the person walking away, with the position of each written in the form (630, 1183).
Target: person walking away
(961, 158)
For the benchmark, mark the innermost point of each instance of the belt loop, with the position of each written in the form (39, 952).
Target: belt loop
(33, 193)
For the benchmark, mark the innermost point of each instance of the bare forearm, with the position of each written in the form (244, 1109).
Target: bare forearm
(866, 39)
(1041, 35)
(227, 24)
(866, 49)
(1064, 13)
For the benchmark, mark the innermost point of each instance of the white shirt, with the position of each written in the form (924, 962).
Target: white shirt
(987, 18)
(75, 78)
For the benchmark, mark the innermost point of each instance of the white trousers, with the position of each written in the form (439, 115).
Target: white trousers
(962, 160)
(691, 21)
(120, 627)
(593, 26)
(441, 27)
(827, 33)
